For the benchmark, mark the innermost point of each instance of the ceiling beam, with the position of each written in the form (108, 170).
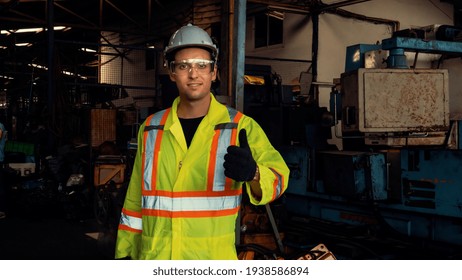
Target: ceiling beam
(75, 14)
(123, 13)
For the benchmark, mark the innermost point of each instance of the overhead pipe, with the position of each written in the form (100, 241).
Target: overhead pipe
(281, 6)
(325, 7)
(393, 23)
(333, 9)
(278, 59)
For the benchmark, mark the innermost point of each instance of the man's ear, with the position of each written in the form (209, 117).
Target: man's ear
(172, 77)
(215, 71)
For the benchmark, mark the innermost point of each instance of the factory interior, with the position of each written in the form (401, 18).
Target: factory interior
(362, 98)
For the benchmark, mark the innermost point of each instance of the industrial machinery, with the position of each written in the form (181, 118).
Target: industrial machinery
(400, 165)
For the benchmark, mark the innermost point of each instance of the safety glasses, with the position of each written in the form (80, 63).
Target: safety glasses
(184, 67)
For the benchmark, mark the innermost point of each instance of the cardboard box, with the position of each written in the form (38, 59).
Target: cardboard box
(104, 173)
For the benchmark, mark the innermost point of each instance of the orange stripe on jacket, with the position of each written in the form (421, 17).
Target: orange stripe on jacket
(276, 183)
(213, 160)
(131, 213)
(207, 193)
(160, 133)
(127, 228)
(189, 214)
(237, 118)
(145, 137)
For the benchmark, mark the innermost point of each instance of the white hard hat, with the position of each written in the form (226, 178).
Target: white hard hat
(191, 36)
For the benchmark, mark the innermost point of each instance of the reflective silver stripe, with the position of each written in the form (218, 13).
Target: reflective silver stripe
(232, 113)
(223, 142)
(130, 221)
(152, 129)
(279, 186)
(198, 204)
(178, 204)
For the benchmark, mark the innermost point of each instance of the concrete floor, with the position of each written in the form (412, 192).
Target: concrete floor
(38, 228)
(53, 238)
(47, 226)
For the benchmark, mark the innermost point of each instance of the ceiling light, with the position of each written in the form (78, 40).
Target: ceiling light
(87, 50)
(73, 74)
(38, 66)
(23, 44)
(64, 72)
(61, 28)
(6, 77)
(34, 30)
(29, 30)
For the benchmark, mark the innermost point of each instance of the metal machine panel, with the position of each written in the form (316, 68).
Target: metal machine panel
(297, 160)
(431, 181)
(396, 100)
(356, 175)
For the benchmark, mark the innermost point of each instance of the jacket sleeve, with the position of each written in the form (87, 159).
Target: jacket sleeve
(274, 173)
(130, 226)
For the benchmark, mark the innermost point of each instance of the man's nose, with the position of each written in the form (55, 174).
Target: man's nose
(192, 70)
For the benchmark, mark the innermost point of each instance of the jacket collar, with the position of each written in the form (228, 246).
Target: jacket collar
(217, 113)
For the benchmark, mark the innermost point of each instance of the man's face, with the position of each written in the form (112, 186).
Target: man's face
(193, 73)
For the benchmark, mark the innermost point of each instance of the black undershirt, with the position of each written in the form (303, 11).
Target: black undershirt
(189, 128)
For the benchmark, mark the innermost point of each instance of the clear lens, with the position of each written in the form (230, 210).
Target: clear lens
(202, 66)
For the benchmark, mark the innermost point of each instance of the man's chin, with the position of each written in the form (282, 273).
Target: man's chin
(195, 96)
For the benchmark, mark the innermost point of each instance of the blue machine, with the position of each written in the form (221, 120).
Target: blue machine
(401, 162)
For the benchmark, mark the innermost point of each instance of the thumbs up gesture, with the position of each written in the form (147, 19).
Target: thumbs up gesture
(239, 164)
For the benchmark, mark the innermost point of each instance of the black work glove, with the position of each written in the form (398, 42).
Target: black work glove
(239, 163)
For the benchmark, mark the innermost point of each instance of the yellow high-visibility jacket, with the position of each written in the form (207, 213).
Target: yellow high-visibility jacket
(179, 204)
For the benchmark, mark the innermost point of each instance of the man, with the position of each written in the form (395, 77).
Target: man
(2, 179)
(186, 186)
